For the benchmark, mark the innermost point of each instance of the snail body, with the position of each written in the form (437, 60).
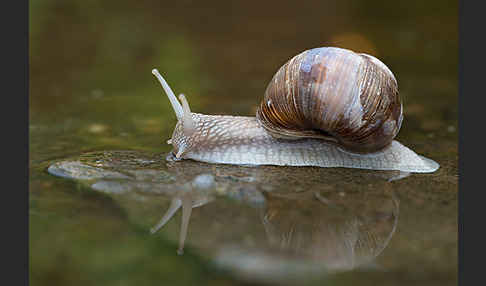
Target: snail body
(325, 107)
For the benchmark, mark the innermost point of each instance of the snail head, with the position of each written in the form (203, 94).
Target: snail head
(185, 126)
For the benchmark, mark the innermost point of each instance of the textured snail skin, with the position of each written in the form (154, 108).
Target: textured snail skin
(242, 140)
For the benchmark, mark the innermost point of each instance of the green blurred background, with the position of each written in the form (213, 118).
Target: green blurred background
(91, 88)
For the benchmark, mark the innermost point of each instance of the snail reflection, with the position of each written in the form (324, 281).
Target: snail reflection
(333, 229)
(326, 219)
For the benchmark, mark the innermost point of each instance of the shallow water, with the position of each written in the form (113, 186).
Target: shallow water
(94, 101)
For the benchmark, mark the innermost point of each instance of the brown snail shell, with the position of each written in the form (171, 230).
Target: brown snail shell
(334, 94)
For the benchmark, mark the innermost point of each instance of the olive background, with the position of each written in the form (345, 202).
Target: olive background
(91, 88)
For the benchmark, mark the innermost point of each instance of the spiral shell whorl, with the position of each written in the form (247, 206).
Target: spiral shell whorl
(334, 94)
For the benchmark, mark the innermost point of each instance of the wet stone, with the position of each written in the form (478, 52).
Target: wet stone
(79, 171)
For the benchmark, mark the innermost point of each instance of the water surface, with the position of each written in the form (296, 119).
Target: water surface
(93, 97)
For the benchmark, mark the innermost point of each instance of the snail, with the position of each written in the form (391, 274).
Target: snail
(325, 107)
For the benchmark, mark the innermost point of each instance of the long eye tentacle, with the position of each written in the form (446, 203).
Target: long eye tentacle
(170, 94)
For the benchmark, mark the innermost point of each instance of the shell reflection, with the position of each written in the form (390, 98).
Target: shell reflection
(338, 236)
